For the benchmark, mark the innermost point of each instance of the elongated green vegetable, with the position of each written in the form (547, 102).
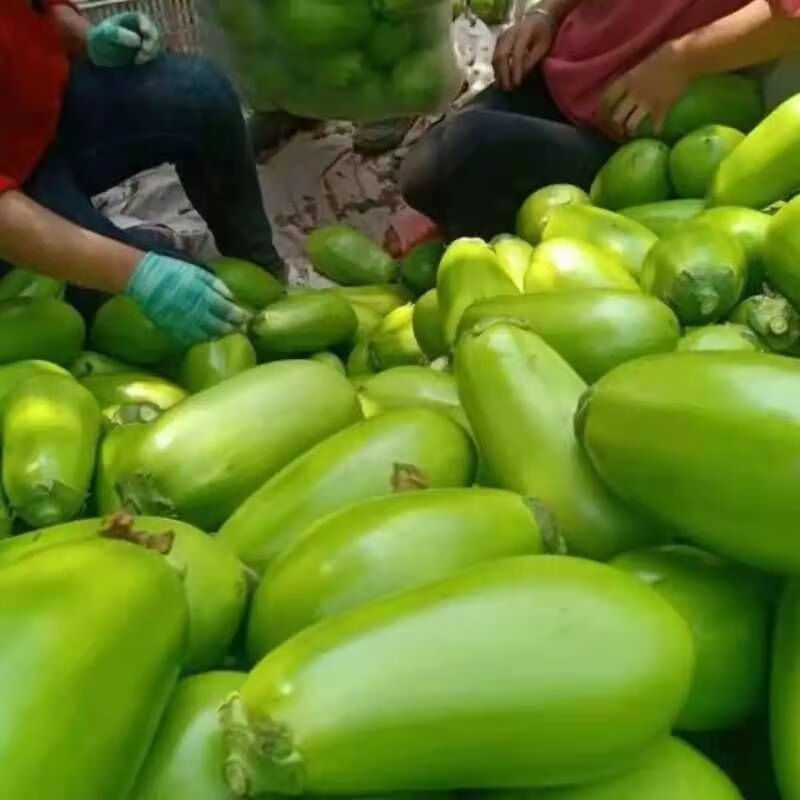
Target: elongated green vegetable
(624, 237)
(566, 264)
(591, 666)
(359, 362)
(20, 282)
(331, 359)
(121, 330)
(11, 375)
(210, 363)
(117, 448)
(773, 319)
(418, 268)
(727, 336)
(347, 256)
(676, 436)
(469, 271)
(412, 448)
(381, 546)
(251, 285)
(593, 330)
(696, 157)
(123, 388)
(428, 328)
(731, 659)
(89, 363)
(782, 250)
(6, 517)
(669, 770)
(519, 396)
(212, 579)
(85, 702)
(637, 173)
(699, 271)
(202, 458)
(663, 217)
(785, 694)
(185, 757)
(44, 329)
(50, 430)
(301, 324)
(381, 298)
(535, 212)
(514, 255)
(393, 343)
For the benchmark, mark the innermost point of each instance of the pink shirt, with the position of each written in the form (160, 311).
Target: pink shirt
(789, 7)
(602, 39)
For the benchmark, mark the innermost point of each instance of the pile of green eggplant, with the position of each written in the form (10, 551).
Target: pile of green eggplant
(505, 520)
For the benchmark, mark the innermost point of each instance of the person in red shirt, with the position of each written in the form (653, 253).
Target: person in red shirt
(86, 107)
(573, 79)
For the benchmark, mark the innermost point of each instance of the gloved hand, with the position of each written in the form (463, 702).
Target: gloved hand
(187, 302)
(124, 39)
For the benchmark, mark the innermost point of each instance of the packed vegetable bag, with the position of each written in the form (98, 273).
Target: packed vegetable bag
(340, 59)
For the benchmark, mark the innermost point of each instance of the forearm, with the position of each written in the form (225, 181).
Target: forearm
(557, 9)
(73, 27)
(34, 238)
(753, 35)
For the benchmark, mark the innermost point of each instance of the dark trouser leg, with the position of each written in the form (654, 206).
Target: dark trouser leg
(472, 172)
(181, 110)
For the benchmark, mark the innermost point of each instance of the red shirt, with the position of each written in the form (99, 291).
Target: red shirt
(600, 40)
(33, 74)
(789, 7)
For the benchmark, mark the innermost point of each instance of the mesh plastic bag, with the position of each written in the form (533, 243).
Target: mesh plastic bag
(340, 59)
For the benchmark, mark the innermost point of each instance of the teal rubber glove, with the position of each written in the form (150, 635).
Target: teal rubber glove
(123, 40)
(188, 303)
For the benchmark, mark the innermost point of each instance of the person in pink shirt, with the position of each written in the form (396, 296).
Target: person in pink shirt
(573, 79)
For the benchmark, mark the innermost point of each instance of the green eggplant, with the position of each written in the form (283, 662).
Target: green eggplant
(535, 212)
(116, 448)
(427, 324)
(783, 250)
(124, 388)
(749, 228)
(559, 265)
(212, 579)
(350, 258)
(726, 336)
(301, 324)
(765, 167)
(393, 343)
(637, 173)
(695, 158)
(11, 375)
(202, 458)
(698, 271)
(380, 298)
(20, 282)
(669, 770)
(50, 431)
(331, 359)
(773, 319)
(128, 414)
(526, 671)
(676, 435)
(514, 255)
(785, 694)
(366, 321)
(418, 268)
(210, 363)
(186, 757)
(410, 387)
(726, 609)
(252, 286)
(89, 363)
(97, 632)
(359, 362)
(470, 271)
(519, 396)
(384, 545)
(728, 99)
(44, 329)
(408, 449)
(6, 517)
(121, 330)
(621, 236)
(661, 218)
(593, 330)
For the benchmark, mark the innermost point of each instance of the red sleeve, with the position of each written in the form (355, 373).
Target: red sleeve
(791, 8)
(7, 182)
(51, 3)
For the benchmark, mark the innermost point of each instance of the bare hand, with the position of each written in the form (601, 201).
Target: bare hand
(520, 48)
(648, 90)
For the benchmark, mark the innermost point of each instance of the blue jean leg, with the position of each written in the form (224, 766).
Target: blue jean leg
(179, 110)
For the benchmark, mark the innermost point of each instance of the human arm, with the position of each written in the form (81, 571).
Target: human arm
(523, 45)
(189, 303)
(73, 27)
(756, 33)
